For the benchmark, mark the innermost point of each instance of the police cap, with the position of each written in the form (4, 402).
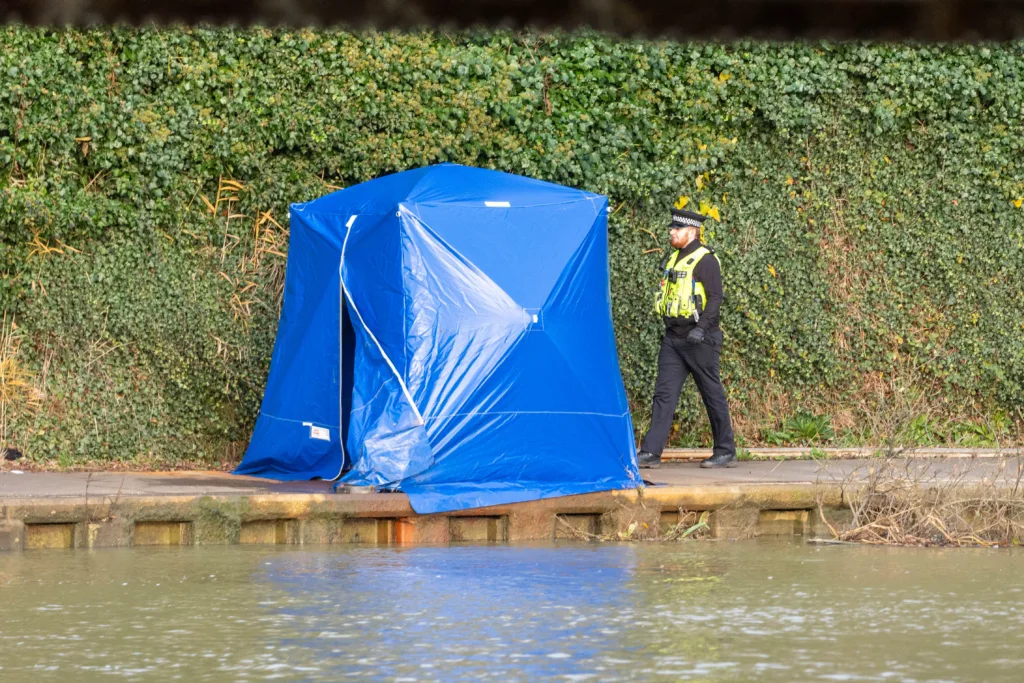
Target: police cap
(685, 219)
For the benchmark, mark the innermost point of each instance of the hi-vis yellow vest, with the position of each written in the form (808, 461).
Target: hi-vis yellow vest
(678, 294)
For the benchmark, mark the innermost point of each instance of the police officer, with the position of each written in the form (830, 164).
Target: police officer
(689, 299)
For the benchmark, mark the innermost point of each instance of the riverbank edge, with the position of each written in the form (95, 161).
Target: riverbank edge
(736, 511)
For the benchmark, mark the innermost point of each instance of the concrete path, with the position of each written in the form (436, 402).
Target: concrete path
(787, 453)
(124, 484)
(46, 485)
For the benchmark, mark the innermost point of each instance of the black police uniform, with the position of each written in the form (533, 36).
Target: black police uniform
(680, 358)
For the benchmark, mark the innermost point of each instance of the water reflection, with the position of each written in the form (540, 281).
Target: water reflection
(484, 613)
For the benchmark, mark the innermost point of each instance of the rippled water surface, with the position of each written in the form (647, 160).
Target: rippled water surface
(774, 611)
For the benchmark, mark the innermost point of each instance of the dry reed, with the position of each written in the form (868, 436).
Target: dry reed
(978, 502)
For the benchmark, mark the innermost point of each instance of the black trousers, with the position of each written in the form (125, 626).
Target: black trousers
(677, 360)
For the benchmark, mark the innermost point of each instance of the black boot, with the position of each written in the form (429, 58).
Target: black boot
(648, 460)
(720, 460)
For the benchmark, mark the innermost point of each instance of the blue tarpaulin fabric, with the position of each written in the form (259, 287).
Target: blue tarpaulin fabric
(447, 332)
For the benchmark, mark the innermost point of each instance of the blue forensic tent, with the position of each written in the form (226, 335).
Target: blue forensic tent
(447, 332)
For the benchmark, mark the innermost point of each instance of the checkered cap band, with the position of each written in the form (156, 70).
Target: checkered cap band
(684, 222)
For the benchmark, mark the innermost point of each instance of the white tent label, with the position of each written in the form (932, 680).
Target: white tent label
(320, 433)
(498, 205)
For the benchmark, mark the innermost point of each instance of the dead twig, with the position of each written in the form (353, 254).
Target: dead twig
(914, 503)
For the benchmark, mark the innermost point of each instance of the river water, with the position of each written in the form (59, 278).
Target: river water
(698, 611)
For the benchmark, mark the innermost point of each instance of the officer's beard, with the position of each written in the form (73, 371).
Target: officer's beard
(685, 237)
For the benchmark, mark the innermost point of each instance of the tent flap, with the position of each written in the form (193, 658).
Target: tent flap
(387, 459)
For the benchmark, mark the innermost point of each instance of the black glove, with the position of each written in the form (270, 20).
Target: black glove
(696, 336)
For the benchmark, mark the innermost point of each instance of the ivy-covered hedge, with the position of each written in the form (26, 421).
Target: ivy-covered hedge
(871, 232)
